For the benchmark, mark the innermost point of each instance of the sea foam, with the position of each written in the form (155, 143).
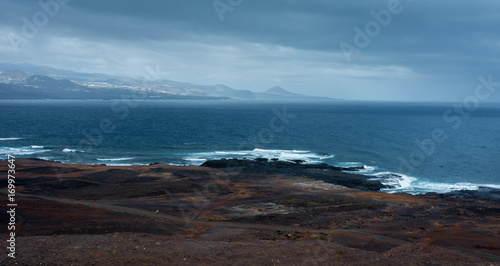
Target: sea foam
(283, 155)
(21, 150)
(8, 139)
(67, 150)
(37, 147)
(115, 159)
(400, 183)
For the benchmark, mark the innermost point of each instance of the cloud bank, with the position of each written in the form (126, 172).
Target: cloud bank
(398, 50)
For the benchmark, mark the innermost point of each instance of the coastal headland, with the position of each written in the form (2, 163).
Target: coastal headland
(237, 212)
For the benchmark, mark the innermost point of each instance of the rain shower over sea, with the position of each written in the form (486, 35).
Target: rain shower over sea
(416, 147)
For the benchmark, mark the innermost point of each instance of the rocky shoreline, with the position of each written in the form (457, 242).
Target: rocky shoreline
(345, 176)
(324, 172)
(240, 211)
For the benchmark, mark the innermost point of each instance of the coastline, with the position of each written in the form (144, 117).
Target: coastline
(307, 138)
(358, 176)
(250, 208)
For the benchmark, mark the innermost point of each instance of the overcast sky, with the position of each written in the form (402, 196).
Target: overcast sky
(426, 49)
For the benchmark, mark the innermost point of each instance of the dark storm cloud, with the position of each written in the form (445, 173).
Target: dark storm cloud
(429, 50)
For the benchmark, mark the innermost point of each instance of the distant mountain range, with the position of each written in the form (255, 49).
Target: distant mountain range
(50, 83)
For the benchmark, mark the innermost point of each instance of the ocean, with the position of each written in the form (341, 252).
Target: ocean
(416, 147)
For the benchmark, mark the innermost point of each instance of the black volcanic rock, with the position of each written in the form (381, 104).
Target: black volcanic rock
(483, 193)
(324, 172)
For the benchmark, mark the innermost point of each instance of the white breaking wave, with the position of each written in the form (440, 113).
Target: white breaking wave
(46, 158)
(115, 159)
(7, 139)
(348, 164)
(20, 150)
(424, 187)
(397, 182)
(282, 155)
(367, 169)
(124, 164)
(69, 150)
(400, 183)
(36, 147)
(195, 159)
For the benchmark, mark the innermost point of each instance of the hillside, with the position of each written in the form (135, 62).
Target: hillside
(19, 85)
(49, 83)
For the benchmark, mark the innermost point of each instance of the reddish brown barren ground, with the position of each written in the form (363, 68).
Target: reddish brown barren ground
(81, 214)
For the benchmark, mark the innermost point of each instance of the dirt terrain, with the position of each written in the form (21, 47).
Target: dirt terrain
(161, 214)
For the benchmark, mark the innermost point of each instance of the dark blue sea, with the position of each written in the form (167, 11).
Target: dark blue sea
(431, 146)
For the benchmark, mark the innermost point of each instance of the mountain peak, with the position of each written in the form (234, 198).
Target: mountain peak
(14, 75)
(279, 91)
